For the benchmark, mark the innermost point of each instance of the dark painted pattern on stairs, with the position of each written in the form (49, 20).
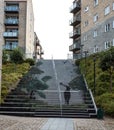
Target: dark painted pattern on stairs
(39, 93)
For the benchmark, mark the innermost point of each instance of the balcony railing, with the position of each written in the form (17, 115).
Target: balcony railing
(75, 7)
(10, 34)
(75, 34)
(10, 45)
(75, 46)
(12, 8)
(75, 21)
(12, 21)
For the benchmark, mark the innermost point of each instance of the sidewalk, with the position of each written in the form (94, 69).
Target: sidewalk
(23, 123)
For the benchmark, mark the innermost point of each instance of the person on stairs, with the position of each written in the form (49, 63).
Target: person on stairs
(67, 94)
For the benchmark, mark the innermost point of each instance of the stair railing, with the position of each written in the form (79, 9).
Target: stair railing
(59, 91)
(93, 100)
(90, 94)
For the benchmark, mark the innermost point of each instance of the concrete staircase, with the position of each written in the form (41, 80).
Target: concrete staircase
(43, 79)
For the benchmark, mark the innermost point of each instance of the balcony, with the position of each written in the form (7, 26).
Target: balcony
(11, 22)
(75, 21)
(10, 34)
(75, 46)
(12, 9)
(75, 34)
(10, 45)
(75, 7)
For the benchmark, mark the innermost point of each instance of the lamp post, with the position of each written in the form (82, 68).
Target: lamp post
(85, 60)
(94, 76)
(81, 49)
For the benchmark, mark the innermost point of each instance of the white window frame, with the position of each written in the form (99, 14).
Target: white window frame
(113, 24)
(86, 8)
(113, 6)
(107, 27)
(96, 2)
(96, 17)
(113, 42)
(107, 10)
(86, 23)
(95, 33)
(108, 44)
(85, 38)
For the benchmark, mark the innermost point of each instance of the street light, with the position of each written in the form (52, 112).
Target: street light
(85, 52)
(94, 76)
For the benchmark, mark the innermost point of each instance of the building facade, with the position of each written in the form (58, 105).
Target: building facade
(38, 51)
(97, 25)
(75, 22)
(17, 26)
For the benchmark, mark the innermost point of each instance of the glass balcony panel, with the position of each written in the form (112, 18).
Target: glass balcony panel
(10, 45)
(10, 34)
(11, 8)
(75, 46)
(11, 21)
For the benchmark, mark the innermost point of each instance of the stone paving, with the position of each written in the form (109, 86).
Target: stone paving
(94, 124)
(23, 123)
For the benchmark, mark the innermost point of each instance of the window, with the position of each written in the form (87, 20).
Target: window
(113, 6)
(107, 10)
(113, 24)
(107, 27)
(86, 23)
(96, 2)
(86, 8)
(95, 17)
(96, 49)
(95, 33)
(85, 38)
(113, 43)
(108, 44)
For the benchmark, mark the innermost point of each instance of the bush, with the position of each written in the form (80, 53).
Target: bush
(77, 62)
(4, 57)
(17, 56)
(106, 101)
(30, 61)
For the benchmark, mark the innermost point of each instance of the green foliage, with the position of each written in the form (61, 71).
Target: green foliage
(77, 62)
(106, 101)
(4, 57)
(30, 61)
(102, 78)
(17, 56)
(107, 59)
(10, 76)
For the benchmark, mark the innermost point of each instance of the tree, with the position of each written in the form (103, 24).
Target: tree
(17, 56)
(107, 63)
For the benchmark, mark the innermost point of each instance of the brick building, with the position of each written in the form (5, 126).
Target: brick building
(17, 25)
(97, 25)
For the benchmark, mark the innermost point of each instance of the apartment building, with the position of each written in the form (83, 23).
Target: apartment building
(97, 25)
(38, 51)
(75, 22)
(17, 25)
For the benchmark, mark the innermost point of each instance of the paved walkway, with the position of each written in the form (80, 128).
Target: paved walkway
(22, 123)
(58, 124)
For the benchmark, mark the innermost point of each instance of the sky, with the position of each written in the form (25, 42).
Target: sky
(52, 27)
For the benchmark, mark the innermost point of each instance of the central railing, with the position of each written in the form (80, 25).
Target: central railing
(56, 77)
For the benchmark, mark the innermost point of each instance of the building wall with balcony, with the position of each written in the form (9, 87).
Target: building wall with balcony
(97, 26)
(75, 22)
(22, 19)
